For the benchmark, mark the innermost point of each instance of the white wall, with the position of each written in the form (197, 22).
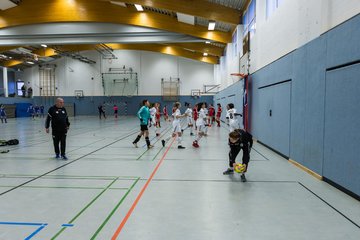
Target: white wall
(292, 25)
(151, 67)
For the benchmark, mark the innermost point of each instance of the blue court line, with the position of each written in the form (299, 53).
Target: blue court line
(22, 223)
(67, 225)
(36, 232)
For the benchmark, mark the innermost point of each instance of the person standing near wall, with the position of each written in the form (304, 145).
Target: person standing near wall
(115, 108)
(30, 92)
(60, 124)
(144, 115)
(23, 90)
(3, 114)
(218, 114)
(101, 110)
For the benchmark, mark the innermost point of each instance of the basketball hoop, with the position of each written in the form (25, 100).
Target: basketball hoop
(237, 76)
(195, 93)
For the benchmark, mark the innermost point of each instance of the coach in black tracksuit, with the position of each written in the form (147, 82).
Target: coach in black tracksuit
(239, 140)
(60, 124)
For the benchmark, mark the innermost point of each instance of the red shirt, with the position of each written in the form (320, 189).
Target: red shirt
(211, 111)
(165, 111)
(157, 114)
(195, 114)
(219, 110)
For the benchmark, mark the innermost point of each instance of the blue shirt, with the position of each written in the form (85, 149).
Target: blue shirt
(144, 115)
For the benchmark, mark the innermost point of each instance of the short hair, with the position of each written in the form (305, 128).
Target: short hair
(144, 101)
(219, 104)
(177, 104)
(234, 135)
(231, 105)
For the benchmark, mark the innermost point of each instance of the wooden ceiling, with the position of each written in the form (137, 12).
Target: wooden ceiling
(55, 11)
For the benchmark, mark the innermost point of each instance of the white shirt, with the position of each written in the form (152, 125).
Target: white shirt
(152, 111)
(230, 115)
(189, 112)
(202, 117)
(176, 113)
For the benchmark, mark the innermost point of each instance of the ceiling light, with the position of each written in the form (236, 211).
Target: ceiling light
(211, 25)
(207, 42)
(30, 62)
(139, 7)
(44, 45)
(205, 54)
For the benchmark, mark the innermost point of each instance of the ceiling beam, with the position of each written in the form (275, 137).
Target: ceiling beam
(168, 49)
(36, 11)
(200, 8)
(10, 63)
(7, 48)
(201, 47)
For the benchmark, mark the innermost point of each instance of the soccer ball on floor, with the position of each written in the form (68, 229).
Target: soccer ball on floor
(240, 168)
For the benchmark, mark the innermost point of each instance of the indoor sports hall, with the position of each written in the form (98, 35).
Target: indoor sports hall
(179, 119)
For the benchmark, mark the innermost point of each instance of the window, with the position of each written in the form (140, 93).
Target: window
(19, 85)
(249, 19)
(271, 6)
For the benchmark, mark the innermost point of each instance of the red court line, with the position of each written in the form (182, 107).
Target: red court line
(123, 222)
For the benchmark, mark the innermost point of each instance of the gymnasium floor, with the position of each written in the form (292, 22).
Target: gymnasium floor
(110, 190)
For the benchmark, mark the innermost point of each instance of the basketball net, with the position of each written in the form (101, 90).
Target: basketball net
(237, 76)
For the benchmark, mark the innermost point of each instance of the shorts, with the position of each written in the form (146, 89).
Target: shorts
(201, 128)
(176, 127)
(144, 127)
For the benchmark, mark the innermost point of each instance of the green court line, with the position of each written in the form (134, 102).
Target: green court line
(114, 210)
(155, 142)
(157, 154)
(83, 210)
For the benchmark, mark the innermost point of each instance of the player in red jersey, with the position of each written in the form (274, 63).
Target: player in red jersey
(218, 114)
(195, 114)
(211, 114)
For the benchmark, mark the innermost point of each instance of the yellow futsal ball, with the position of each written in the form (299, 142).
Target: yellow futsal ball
(240, 168)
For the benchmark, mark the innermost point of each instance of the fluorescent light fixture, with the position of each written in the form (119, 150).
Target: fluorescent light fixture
(30, 62)
(139, 7)
(44, 45)
(205, 54)
(211, 25)
(207, 42)
(118, 3)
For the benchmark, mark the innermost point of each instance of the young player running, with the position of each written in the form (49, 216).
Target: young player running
(144, 116)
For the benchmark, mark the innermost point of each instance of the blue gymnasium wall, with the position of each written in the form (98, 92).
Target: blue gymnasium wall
(88, 105)
(232, 94)
(315, 113)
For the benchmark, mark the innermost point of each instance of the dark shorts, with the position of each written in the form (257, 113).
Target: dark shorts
(115, 111)
(143, 127)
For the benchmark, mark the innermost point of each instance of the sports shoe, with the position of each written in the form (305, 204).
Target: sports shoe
(228, 171)
(163, 142)
(181, 147)
(64, 157)
(195, 144)
(182, 130)
(158, 134)
(150, 146)
(135, 145)
(57, 156)
(191, 134)
(243, 178)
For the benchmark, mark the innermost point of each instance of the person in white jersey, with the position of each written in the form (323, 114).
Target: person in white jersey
(189, 118)
(176, 124)
(152, 115)
(231, 117)
(200, 124)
